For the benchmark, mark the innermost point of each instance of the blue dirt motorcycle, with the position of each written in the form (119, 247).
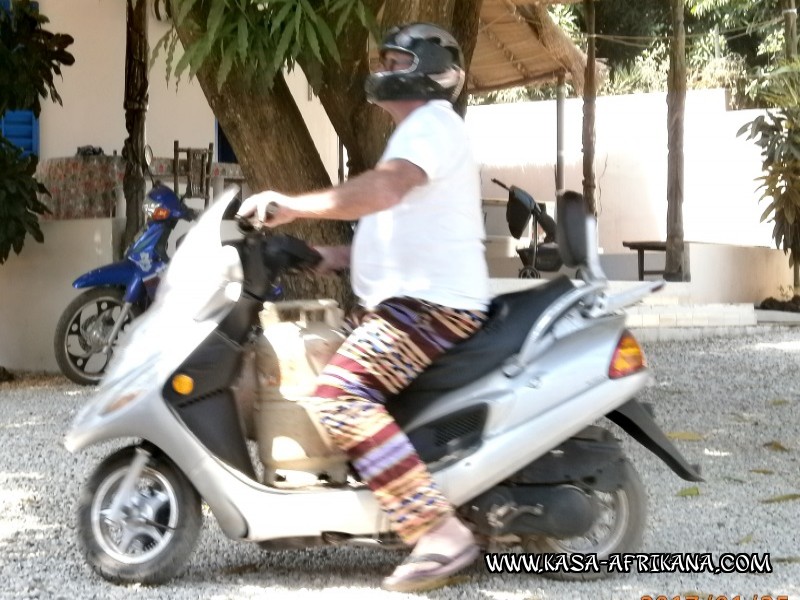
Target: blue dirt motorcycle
(118, 293)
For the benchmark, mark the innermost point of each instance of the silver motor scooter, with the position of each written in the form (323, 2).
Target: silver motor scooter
(506, 421)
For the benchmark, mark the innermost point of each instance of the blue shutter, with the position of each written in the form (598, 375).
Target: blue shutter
(20, 127)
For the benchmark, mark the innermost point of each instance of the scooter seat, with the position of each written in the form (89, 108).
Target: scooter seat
(511, 317)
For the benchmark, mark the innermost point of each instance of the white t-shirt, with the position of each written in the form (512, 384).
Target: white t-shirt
(429, 245)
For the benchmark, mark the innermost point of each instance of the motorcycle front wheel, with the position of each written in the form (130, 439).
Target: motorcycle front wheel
(144, 536)
(83, 331)
(618, 529)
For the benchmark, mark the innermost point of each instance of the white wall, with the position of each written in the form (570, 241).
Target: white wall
(93, 88)
(722, 273)
(36, 286)
(517, 144)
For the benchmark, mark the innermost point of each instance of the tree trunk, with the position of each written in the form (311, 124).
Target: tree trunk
(466, 21)
(276, 151)
(135, 105)
(676, 268)
(273, 144)
(589, 97)
(362, 127)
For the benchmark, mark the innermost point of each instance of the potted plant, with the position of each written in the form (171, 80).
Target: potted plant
(777, 133)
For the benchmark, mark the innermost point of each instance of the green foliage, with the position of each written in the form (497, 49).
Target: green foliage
(777, 133)
(736, 12)
(30, 57)
(258, 38)
(727, 40)
(19, 203)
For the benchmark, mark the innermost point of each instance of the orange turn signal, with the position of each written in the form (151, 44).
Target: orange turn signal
(628, 357)
(160, 214)
(183, 384)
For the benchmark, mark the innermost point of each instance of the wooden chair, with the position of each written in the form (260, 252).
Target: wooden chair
(194, 164)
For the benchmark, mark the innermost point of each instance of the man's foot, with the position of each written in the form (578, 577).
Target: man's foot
(438, 555)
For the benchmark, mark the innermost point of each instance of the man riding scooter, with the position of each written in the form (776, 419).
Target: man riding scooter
(418, 208)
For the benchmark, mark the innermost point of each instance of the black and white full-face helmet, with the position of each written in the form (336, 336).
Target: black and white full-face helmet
(437, 70)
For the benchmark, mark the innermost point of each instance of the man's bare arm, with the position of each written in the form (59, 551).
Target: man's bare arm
(372, 191)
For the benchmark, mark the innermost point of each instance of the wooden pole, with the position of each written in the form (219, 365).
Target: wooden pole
(560, 133)
(589, 98)
(135, 105)
(676, 268)
(790, 28)
(790, 35)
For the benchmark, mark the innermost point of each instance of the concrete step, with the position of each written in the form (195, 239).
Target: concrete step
(670, 308)
(690, 315)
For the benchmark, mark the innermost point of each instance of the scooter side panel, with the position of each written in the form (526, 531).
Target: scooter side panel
(569, 368)
(502, 455)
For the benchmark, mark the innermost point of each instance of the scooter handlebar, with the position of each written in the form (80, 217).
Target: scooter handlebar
(284, 252)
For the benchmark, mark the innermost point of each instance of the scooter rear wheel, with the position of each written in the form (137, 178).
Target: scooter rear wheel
(618, 529)
(157, 528)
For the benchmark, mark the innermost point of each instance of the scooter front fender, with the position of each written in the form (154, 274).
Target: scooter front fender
(119, 274)
(637, 422)
(116, 274)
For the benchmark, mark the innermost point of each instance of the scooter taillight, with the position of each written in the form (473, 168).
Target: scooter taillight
(628, 357)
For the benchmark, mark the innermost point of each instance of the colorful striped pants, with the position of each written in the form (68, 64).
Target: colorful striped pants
(388, 348)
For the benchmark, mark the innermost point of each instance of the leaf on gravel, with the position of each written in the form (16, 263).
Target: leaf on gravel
(787, 559)
(763, 471)
(686, 436)
(744, 417)
(780, 402)
(733, 479)
(783, 498)
(776, 446)
(689, 491)
(745, 540)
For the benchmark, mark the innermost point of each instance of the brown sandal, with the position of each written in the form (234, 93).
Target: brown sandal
(428, 579)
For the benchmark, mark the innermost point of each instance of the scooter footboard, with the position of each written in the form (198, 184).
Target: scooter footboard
(637, 422)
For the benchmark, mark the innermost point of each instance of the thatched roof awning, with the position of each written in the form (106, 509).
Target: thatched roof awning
(519, 44)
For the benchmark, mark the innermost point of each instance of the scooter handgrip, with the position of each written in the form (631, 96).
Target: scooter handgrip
(245, 224)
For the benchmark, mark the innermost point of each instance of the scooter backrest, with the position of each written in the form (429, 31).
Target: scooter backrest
(577, 236)
(572, 223)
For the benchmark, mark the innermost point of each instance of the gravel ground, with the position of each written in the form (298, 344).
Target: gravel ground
(733, 401)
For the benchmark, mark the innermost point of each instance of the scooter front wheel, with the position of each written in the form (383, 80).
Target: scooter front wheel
(83, 331)
(619, 528)
(138, 523)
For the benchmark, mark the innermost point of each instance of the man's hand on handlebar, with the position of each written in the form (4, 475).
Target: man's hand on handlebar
(269, 208)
